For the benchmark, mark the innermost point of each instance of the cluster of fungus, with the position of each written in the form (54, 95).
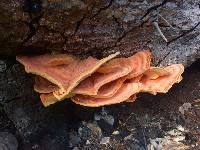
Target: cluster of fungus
(93, 83)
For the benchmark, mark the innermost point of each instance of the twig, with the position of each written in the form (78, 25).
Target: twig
(154, 19)
(155, 24)
(166, 21)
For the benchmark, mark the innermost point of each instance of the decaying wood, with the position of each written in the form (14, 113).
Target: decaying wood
(100, 27)
(84, 28)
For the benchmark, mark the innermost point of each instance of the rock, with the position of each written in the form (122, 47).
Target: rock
(172, 140)
(129, 137)
(184, 107)
(174, 132)
(109, 119)
(84, 132)
(74, 140)
(156, 144)
(115, 132)
(105, 116)
(105, 121)
(89, 130)
(8, 141)
(96, 130)
(180, 128)
(105, 140)
(87, 142)
(165, 143)
(97, 117)
(75, 148)
(133, 143)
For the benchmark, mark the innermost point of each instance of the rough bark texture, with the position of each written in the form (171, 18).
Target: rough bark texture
(100, 27)
(85, 28)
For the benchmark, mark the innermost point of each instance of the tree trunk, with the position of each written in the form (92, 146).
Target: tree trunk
(101, 27)
(84, 28)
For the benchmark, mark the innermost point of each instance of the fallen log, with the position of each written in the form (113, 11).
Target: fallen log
(170, 29)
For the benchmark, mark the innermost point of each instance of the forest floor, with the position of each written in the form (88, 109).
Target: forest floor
(165, 121)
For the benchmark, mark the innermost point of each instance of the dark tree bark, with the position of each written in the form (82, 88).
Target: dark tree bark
(83, 28)
(101, 27)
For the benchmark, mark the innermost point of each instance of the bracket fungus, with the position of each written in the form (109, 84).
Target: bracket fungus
(42, 85)
(139, 63)
(109, 89)
(48, 99)
(114, 69)
(93, 83)
(164, 80)
(123, 94)
(63, 70)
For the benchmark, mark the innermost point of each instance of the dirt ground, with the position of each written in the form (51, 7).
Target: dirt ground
(166, 121)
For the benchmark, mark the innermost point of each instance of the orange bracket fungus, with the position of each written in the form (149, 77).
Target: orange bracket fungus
(124, 93)
(139, 63)
(93, 83)
(42, 85)
(63, 70)
(164, 79)
(109, 89)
